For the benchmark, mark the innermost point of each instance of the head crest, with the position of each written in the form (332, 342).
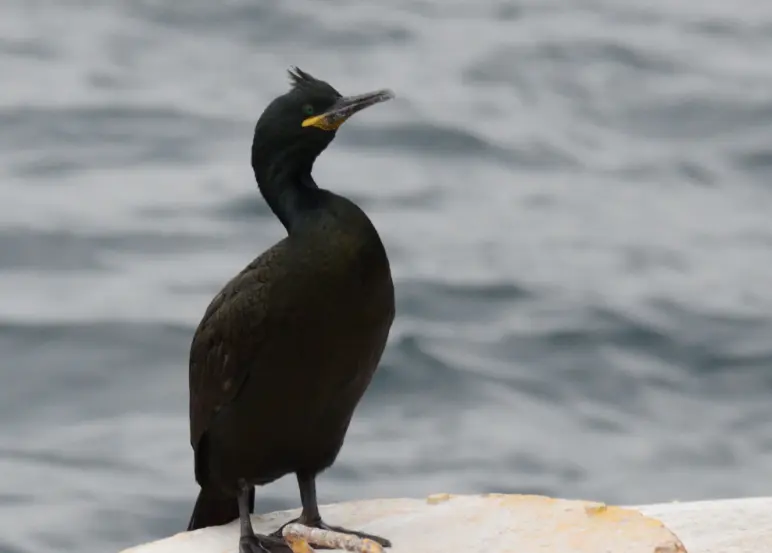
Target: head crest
(299, 78)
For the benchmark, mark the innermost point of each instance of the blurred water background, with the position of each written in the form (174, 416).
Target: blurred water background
(575, 196)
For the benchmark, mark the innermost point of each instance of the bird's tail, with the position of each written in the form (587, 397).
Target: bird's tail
(214, 508)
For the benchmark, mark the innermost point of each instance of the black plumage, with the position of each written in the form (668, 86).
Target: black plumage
(284, 353)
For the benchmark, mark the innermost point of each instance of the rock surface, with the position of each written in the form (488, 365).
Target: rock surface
(719, 526)
(495, 523)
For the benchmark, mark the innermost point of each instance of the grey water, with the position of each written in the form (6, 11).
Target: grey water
(576, 197)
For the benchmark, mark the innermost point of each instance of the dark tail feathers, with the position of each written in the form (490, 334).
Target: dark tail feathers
(214, 508)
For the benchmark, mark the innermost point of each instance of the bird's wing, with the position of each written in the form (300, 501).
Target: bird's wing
(238, 312)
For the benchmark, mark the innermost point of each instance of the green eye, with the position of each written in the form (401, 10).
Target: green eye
(308, 109)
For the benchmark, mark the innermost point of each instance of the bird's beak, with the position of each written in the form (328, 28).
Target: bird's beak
(346, 107)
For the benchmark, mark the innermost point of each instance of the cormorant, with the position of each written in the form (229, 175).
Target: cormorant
(288, 347)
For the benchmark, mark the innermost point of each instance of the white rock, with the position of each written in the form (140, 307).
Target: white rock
(495, 523)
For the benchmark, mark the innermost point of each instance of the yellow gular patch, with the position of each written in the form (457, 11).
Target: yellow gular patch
(322, 122)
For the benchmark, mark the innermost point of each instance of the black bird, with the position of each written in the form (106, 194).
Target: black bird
(288, 347)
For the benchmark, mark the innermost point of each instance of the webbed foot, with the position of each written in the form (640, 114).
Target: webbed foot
(257, 543)
(319, 523)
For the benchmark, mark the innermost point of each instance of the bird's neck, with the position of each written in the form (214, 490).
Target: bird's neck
(290, 191)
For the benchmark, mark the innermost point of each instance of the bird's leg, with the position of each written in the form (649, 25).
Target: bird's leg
(249, 542)
(311, 517)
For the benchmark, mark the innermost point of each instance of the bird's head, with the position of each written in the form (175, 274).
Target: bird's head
(297, 126)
